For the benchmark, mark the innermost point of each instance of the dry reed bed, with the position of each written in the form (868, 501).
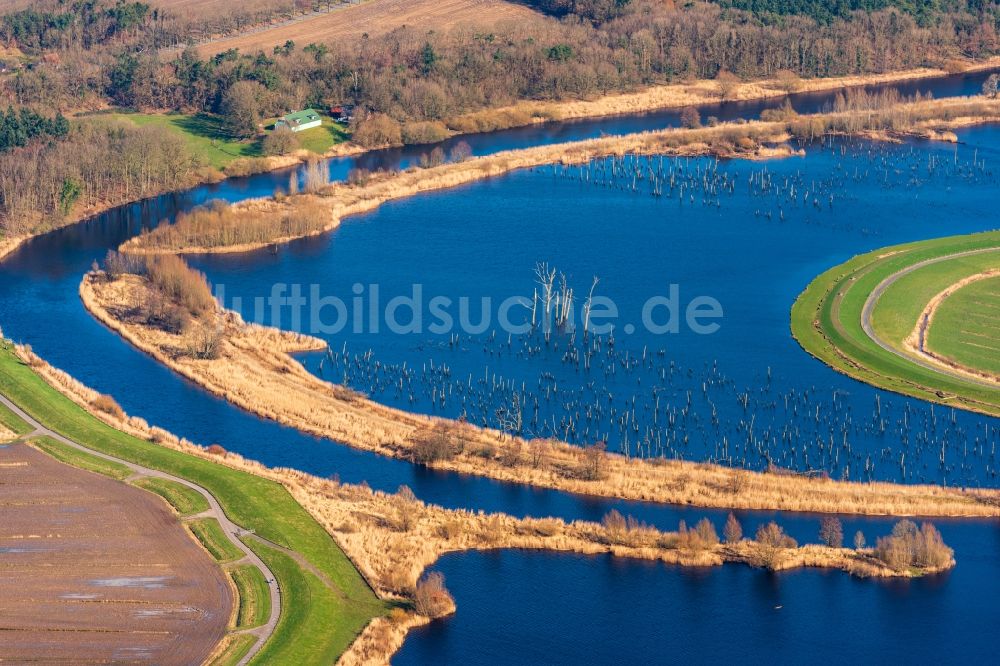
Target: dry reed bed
(747, 140)
(344, 199)
(9, 244)
(249, 225)
(393, 538)
(257, 374)
(705, 92)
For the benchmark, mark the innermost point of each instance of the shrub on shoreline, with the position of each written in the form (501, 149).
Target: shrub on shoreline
(911, 547)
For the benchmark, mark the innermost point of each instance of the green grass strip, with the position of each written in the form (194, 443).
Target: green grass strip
(208, 138)
(826, 321)
(210, 534)
(251, 501)
(966, 326)
(13, 422)
(315, 625)
(255, 599)
(237, 646)
(77, 458)
(185, 501)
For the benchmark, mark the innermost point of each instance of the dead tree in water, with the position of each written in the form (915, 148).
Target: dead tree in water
(564, 302)
(546, 278)
(510, 417)
(587, 305)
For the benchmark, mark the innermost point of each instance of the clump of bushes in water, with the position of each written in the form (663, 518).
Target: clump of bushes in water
(771, 540)
(431, 598)
(176, 281)
(910, 547)
(620, 530)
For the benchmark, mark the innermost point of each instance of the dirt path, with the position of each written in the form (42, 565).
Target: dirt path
(929, 364)
(231, 529)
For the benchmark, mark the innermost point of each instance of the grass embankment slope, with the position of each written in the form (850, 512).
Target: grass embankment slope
(317, 623)
(208, 137)
(394, 538)
(11, 425)
(827, 318)
(184, 500)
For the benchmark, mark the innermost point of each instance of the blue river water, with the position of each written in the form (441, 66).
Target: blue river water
(744, 234)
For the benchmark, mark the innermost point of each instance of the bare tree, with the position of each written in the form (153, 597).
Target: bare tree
(510, 418)
(592, 462)
(991, 87)
(831, 532)
(546, 278)
(733, 531)
(588, 304)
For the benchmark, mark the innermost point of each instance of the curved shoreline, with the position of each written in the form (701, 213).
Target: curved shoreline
(652, 99)
(919, 355)
(754, 140)
(343, 200)
(271, 384)
(848, 345)
(393, 538)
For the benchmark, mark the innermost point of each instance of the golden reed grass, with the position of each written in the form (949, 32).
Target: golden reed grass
(255, 372)
(708, 91)
(344, 199)
(394, 538)
(258, 223)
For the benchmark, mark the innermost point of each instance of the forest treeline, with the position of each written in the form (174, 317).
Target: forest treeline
(96, 163)
(417, 75)
(415, 86)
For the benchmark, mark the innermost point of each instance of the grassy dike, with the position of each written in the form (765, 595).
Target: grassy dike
(317, 623)
(826, 320)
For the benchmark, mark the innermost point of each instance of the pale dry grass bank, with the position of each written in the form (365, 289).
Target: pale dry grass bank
(709, 91)
(255, 373)
(253, 225)
(749, 140)
(394, 538)
(9, 244)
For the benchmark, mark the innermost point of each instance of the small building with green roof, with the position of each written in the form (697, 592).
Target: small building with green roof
(299, 120)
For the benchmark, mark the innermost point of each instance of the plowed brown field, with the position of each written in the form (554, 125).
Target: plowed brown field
(376, 17)
(93, 570)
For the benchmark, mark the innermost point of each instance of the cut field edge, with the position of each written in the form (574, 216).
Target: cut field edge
(819, 338)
